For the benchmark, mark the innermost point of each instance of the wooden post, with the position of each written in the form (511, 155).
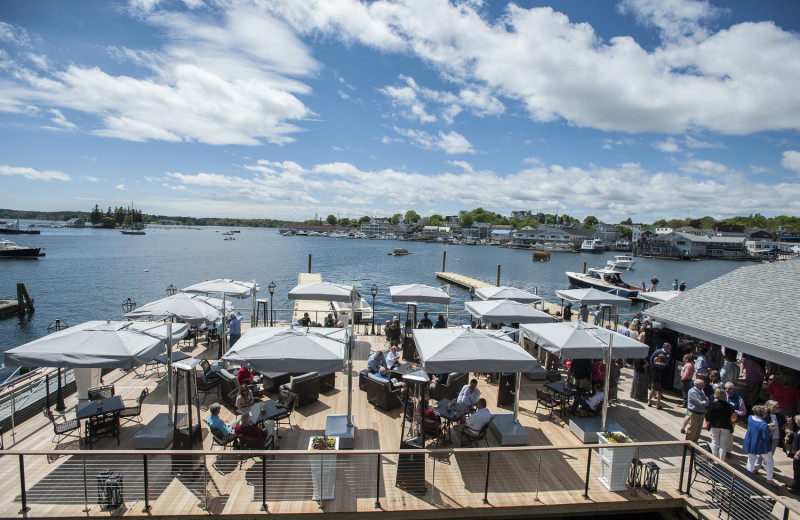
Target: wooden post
(309, 262)
(584, 267)
(498, 275)
(24, 302)
(444, 260)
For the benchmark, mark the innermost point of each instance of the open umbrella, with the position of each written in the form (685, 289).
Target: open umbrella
(578, 340)
(506, 311)
(281, 349)
(194, 309)
(505, 292)
(419, 293)
(326, 291)
(226, 287)
(658, 296)
(592, 297)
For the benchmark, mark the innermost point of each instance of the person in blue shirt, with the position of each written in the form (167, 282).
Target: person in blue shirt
(666, 350)
(234, 328)
(376, 361)
(701, 366)
(222, 428)
(440, 323)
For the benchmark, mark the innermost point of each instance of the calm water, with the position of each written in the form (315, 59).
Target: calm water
(88, 273)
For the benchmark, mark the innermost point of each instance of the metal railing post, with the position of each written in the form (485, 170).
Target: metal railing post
(378, 484)
(47, 388)
(730, 496)
(689, 477)
(13, 413)
(538, 474)
(263, 482)
(205, 483)
(23, 495)
(588, 468)
(85, 490)
(146, 492)
(683, 465)
(486, 487)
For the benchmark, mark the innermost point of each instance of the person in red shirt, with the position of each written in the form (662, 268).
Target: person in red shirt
(785, 393)
(246, 428)
(245, 377)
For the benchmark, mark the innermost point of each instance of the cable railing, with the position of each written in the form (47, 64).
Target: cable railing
(171, 482)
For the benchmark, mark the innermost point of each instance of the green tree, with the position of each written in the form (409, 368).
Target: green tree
(466, 220)
(344, 221)
(364, 219)
(530, 222)
(436, 220)
(590, 221)
(411, 217)
(625, 231)
(396, 218)
(660, 223)
(331, 220)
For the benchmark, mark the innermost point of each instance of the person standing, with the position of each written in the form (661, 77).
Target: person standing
(701, 365)
(697, 405)
(234, 328)
(583, 313)
(658, 376)
(758, 441)
(753, 380)
(597, 314)
(730, 370)
(687, 376)
(682, 286)
(794, 453)
(639, 385)
(568, 312)
(739, 409)
(715, 358)
(653, 284)
(675, 284)
(718, 416)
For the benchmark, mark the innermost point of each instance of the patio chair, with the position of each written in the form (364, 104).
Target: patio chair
(552, 376)
(223, 441)
(101, 392)
(206, 384)
(255, 444)
(63, 429)
(545, 399)
(134, 413)
(287, 400)
(306, 387)
(472, 438)
(208, 373)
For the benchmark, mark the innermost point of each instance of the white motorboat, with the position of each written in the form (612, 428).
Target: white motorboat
(363, 312)
(400, 251)
(9, 249)
(593, 246)
(621, 262)
(603, 279)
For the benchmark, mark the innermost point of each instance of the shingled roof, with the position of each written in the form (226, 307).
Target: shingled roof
(752, 309)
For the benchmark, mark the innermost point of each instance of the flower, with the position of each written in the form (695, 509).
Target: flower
(323, 443)
(616, 437)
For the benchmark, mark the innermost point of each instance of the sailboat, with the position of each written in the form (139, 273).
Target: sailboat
(133, 229)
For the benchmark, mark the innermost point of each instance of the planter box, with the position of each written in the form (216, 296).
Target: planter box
(615, 464)
(323, 472)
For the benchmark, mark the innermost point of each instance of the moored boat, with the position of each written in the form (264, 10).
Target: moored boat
(9, 249)
(593, 246)
(363, 311)
(399, 251)
(603, 279)
(621, 262)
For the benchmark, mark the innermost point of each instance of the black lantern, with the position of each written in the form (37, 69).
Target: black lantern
(171, 290)
(271, 288)
(128, 305)
(374, 290)
(60, 405)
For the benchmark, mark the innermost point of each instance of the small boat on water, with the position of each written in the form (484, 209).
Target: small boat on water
(399, 251)
(132, 231)
(603, 279)
(593, 246)
(621, 262)
(228, 233)
(16, 230)
(554, 247)
(9, 249)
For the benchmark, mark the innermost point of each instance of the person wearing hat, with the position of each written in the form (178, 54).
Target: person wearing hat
(234, 328)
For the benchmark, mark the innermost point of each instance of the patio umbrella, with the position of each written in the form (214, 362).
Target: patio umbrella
(281, 349)
(194, 309)
(227, 287)
(506, 311)
(592, 297)
(419, 293)
(505, 292)
(472, 350)
(658, 296)
(578, 340)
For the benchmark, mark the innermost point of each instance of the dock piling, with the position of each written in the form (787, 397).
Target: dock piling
(444, 260)
(25, 302)
(498, 276)
(309, 262)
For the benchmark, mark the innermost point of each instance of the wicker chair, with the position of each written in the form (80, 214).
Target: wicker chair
(134, 413)
(101, 392)
(63, 429)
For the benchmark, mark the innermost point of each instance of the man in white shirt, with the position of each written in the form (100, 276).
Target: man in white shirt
(591, 404)
(392, 358)
(476, 421)
(469, 394)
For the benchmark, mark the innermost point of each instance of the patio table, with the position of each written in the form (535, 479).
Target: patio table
(450, 414)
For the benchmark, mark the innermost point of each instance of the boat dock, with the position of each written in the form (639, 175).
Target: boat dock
(462, 281)
(8, 306)
(317, 310)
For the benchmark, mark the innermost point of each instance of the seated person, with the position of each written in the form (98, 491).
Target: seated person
(425, 322)
(244, 397)
(439, 379)
(305, 321)
(223, 430)
(245, 377)
(329, 321)
(440, 323)
(591, 404)
(376, 361)
(469, 395)
(247, 429)
(476, 421)
(383, 373)
(392, 358)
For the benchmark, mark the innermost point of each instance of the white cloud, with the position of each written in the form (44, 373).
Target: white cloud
(669, 145)
(90, 178)
(450, 143)
(34, 175)
(791, 160)
(15, 35)
(608, 144)
(120, 187)
(705, 167)
(60, 120)
(675, 19)
(691, 142)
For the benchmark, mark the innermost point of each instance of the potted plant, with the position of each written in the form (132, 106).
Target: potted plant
(615, 463)
(323, 467)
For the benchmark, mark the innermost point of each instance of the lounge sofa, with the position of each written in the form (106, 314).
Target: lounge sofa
(327, 382)
(228, 386)
(450, 388)
(306, 387)
(381, 394)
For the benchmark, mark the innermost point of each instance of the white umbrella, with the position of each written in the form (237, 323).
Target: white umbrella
(417, 292)
(97, 344)
(658, 296)
(194, 309)
(226, 287)
(592, 297)
(505, 292)
(578, 340)
(506, 311)
(325, 291)
(281, 349)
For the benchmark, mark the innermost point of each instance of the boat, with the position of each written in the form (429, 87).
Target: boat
(603, 279)
(132, 231)
(15, 230)
(228, 233)
(399, 251)
(9, 249)
(554, 247)
(301, 233)
(593, 246)
(363, 310)
(621, 262)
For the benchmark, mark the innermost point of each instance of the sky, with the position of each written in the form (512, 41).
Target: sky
(292, 109)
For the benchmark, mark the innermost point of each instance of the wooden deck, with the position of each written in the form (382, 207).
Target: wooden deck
(544, 479)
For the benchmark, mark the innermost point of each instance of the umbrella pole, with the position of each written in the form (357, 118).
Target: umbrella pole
(169, 370)
(254, 317)
(607, 355)
(516, 396)
(447, 311)
(350, 343)
(222, 341)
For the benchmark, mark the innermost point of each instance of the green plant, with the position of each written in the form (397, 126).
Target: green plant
(616, 437)
(323, 443)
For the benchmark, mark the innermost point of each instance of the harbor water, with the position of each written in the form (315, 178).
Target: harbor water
(88, 273)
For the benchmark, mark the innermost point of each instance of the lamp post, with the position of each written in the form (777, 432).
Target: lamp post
(128, 305)
(271, 288)
(60, 405)
(374, 290)
(171, 290)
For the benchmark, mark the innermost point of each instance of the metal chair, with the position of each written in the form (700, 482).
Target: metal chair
(288, 401)
(472, 438)
(206, 384)
(63, 429)
(101, 392)
(547, 400)
(255, 444)
(552, 377)
(223, 441)
(134, 413)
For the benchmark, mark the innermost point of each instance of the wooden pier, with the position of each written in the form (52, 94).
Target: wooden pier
(317, 310)
(462, 281)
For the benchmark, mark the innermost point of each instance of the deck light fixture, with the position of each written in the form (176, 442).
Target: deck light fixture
(271, 288)
(374, 290)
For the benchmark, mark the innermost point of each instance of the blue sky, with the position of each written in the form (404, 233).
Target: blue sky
(291, 108)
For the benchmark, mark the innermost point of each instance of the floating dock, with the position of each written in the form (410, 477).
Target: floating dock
(8, 306)
(462, 281)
